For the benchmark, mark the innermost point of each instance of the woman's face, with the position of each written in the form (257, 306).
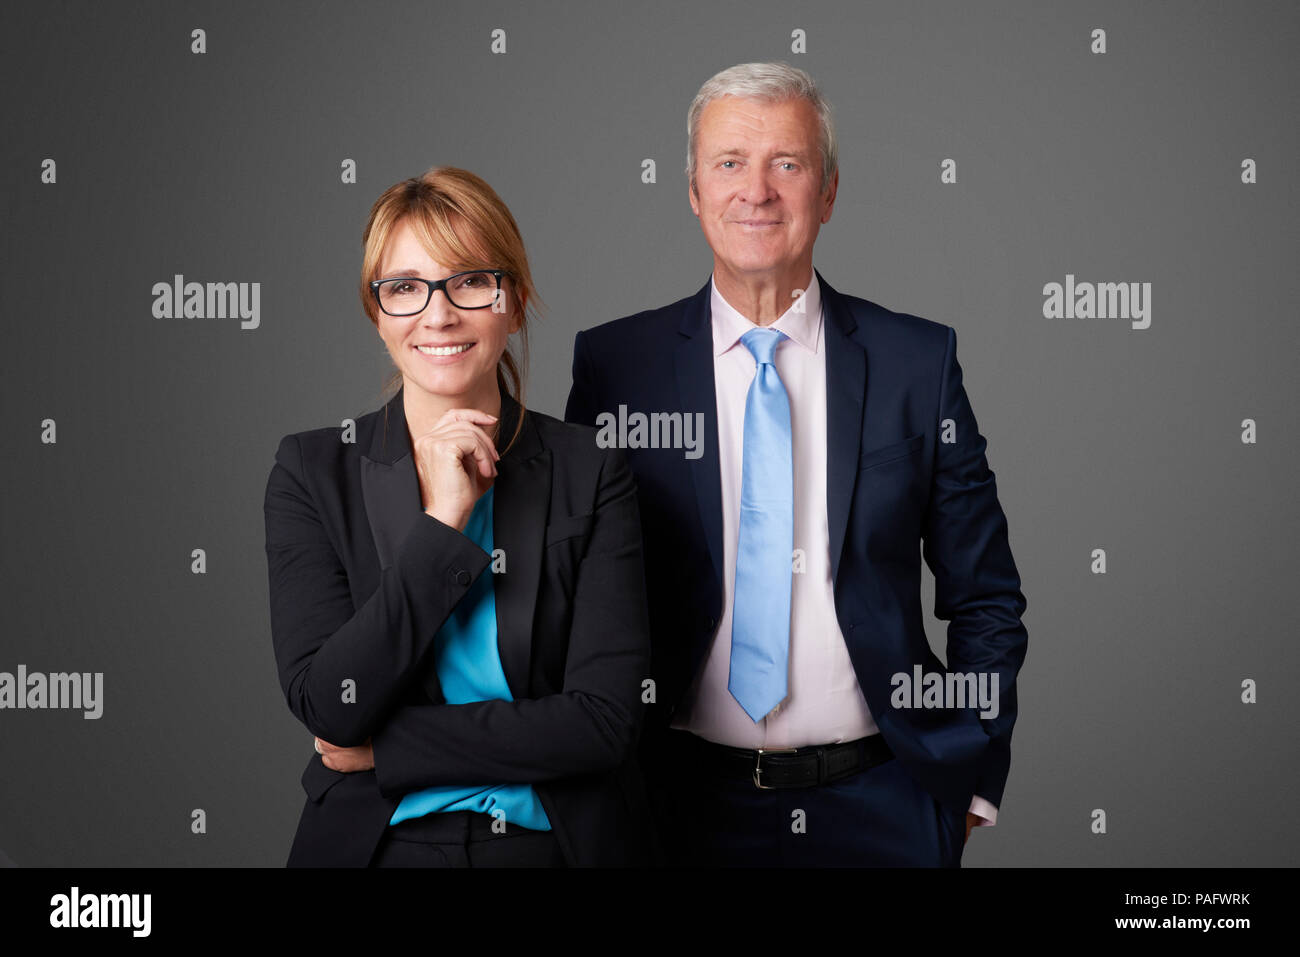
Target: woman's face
(467, 376)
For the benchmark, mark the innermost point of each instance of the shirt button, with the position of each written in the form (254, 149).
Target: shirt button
(461, 576)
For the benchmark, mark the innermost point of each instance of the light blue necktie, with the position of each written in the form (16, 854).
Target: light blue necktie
(760, 618)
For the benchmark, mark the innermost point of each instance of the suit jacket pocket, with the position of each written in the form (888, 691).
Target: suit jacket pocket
(888, 453)
(318, 779)
(572, 526)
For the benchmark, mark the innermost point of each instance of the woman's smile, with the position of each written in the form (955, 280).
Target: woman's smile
(443, 355)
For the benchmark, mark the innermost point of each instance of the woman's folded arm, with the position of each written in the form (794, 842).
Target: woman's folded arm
(321, 640)
(589, 726)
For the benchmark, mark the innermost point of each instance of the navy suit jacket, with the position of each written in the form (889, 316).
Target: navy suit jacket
(892, 484)
(361, 579)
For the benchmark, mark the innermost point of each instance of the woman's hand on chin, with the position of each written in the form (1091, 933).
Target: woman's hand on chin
(456, 463)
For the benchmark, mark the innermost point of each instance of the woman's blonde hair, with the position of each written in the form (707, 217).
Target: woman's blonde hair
(463, 224)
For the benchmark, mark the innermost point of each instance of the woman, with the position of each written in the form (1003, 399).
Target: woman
(457, 595)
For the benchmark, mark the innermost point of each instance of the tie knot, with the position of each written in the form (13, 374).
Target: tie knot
(762, 343)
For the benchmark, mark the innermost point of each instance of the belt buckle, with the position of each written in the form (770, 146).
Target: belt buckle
(758, 764)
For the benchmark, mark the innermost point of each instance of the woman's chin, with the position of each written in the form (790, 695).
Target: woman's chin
(453, 386)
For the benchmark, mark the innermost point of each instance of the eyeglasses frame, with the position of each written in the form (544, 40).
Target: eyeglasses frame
(432, 286)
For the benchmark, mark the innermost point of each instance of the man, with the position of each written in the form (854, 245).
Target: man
(782, 554)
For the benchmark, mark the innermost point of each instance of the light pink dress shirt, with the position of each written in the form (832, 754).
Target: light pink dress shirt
(824, 704)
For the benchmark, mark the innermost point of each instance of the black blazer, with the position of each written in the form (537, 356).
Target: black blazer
(361, 578)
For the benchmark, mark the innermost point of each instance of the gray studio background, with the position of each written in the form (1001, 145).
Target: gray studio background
(226, 167)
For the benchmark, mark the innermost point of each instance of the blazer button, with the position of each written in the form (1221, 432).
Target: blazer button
(461, 576)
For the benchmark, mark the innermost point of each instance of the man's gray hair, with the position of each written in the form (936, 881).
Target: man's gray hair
(765, 81)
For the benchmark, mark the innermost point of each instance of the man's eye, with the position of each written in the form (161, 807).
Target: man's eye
(726, 163)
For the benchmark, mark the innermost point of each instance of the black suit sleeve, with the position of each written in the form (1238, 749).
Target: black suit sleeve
(976, 584)
(321, 640)
(590, 726)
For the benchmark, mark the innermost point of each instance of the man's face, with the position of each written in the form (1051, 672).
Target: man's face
(758, 188)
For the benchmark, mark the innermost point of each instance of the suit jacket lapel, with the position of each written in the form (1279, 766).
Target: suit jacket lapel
(389, 486)
(695, 386)
(391, 491)
(520, 511)
(846, 390)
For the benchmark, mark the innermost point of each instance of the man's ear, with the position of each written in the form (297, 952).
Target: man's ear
(829, 204)
(693, 197)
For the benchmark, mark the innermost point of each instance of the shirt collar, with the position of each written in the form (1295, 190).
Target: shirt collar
(802, 326)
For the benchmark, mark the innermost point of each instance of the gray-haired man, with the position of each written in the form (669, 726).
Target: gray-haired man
(782, 563)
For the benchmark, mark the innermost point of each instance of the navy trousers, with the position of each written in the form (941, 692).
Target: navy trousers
(876, 818)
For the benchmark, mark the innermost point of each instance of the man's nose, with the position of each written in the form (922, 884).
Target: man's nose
(758, 185)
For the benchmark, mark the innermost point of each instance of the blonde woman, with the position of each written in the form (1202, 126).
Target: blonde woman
(457, 598)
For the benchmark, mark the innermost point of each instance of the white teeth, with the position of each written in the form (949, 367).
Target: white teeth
(443, 350)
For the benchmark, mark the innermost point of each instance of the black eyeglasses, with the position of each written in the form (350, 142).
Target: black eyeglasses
(476, 289)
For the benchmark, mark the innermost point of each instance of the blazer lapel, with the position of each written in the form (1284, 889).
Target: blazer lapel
(520, 511)
(695, 386)
(389, 485)
(391, 491)
(846, 387)
(846, 390)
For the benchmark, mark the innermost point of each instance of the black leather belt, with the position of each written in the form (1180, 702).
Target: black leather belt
(770, 768)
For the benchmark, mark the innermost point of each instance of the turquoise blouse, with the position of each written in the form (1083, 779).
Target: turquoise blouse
(469, 669)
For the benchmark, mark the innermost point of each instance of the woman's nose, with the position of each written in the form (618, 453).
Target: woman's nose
(439, 311)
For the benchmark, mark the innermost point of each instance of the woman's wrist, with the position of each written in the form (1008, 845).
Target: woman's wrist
(454, 521)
